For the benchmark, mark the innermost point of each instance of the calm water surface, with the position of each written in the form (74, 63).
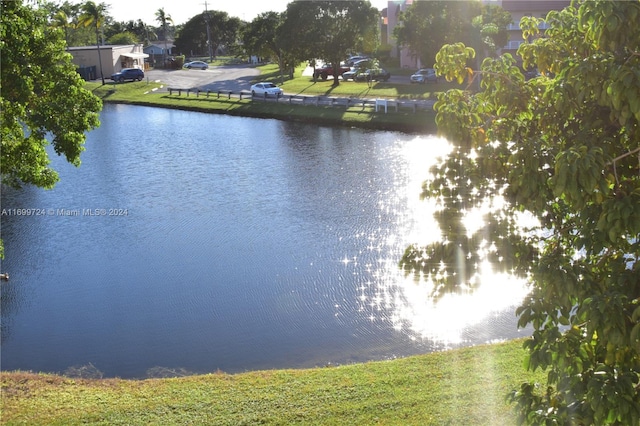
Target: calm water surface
(234, 244)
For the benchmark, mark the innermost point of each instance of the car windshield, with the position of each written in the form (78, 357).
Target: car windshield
(269, 85)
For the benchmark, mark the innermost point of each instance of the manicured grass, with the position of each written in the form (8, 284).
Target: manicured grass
(306, 86)
(458, 387)
(143, 93)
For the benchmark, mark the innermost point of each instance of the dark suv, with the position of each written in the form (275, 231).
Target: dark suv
(128, 74)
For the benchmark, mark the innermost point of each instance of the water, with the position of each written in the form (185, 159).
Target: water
(203, 242)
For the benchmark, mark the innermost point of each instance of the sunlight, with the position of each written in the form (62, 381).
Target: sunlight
(408, 303)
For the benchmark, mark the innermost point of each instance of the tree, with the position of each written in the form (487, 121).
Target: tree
(331, 29)
(94, 15)
(263, 37)
(492, 25)
(564, 148)
(428, 25)
(223, 31)
(164, 20)
(42, 98)
(61, 20)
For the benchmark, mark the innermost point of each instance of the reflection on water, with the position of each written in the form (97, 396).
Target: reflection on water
(247, 244)
(408, 304)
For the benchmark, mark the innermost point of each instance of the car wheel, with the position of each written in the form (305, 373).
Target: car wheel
(139, 78)
(324, 76)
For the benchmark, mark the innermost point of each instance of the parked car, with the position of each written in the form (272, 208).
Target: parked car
(128, 74)
(197, 64)
(351, 74)
(424, 75)
(373, 74)
(326, 70)
(354, 59)
(266, 88)
(362, 63)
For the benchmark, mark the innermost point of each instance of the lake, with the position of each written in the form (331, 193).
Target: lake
(197, 242)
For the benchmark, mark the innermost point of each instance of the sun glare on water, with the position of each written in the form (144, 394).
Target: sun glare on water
(408, 304)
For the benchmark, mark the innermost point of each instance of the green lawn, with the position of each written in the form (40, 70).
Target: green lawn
(305, 85)
(459, 387)
(143, 93)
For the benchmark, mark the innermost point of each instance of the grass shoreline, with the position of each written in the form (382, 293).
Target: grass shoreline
(154, 94)
(461, 386)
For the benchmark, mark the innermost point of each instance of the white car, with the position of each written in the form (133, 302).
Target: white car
(265, 88)
(197, 64)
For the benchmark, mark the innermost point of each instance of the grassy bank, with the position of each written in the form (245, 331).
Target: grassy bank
(143, 93)
(459, 387)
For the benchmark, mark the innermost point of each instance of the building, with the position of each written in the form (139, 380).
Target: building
(517, 8)
(394, 9)
(114, 58)
(521, 8)
(156, 51)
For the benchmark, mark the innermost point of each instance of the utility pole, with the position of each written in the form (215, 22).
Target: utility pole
(207, 18)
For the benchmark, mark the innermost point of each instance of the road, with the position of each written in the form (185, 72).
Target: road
(230, 77)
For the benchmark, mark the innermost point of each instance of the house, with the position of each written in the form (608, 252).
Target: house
(114, 58)
(156, 51)
(517, 8)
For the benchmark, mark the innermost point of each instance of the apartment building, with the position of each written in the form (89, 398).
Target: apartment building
(517, 8)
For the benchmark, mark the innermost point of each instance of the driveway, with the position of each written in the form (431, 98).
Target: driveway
(230, 77)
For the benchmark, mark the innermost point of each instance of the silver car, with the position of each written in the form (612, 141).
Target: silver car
(265, 88)
(197, 64)
(424, 75)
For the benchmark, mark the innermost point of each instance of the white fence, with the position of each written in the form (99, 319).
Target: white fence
(384, 104)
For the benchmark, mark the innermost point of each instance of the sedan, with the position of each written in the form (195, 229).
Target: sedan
(377, 74)
(197, 64)
(424, 75)
(351, 75)
(128, 74)
(266, 88)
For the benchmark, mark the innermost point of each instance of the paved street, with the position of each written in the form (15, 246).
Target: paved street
(232, 77)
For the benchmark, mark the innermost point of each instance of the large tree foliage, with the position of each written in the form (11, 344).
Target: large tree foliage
(267, 36)
(565, 148)
(331, 29)
(42, 95)
(427, 25)
(223, 31)
(42, 98)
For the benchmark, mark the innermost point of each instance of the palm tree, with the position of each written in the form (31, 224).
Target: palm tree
(164, 20)
(94, 15)
(61, 20)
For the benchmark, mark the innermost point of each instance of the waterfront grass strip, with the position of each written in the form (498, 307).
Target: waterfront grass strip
(465, 386)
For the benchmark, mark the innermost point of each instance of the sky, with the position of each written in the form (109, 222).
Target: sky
(183, 10)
